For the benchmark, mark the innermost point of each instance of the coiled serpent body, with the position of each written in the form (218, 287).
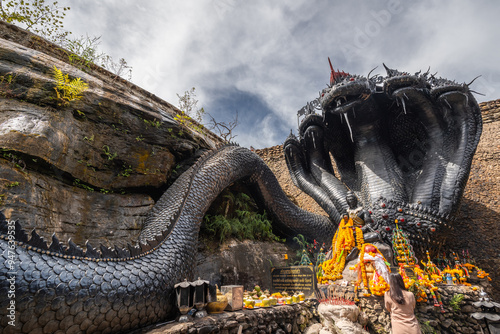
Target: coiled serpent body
(66, 290)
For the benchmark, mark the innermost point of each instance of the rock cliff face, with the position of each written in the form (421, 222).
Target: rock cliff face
(478, 225)
(88, 168)
(246, 263)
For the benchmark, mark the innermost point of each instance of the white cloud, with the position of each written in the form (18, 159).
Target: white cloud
(278, 52)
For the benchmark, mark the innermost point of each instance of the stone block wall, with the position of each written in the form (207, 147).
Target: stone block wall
(478, 225)
(430, 317)
(279, 319)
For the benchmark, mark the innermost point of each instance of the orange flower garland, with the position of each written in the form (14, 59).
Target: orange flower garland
(408, 281)
(480, 273)
(360, 240)
(342, 243)
(377, 285)
(402, 249)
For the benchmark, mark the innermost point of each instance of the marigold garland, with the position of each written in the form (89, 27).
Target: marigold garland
(403, 251)
(377, 285)
(459, 274)
(408, 281)
(342, 244)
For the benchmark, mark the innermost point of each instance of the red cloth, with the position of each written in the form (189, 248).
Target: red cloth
(403, 320)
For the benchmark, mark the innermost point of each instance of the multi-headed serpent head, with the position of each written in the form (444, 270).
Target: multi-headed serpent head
(402, 143)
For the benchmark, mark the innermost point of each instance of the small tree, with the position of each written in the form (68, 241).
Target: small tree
(189, 105)
(45, 18)
(41, 17)
(224, 129)
(121, 68)
(83, 50)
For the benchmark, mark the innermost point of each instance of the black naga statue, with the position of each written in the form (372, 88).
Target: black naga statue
(403, 144)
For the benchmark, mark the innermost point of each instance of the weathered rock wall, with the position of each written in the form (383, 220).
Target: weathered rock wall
(478, 225)
(246, 263)
(89, 168)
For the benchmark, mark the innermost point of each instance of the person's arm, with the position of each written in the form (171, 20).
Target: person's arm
(387, 302)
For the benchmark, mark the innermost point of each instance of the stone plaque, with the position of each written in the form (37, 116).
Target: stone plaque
(295, 278)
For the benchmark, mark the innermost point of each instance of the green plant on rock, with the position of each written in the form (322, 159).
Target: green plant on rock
(45, 18)
(190, 116)
(68, 90)
(120, 68)
(16, 160)
(79, 184)
(239, 220)
(5, 85)
(13, 184)
(126, 171)
(246, 225)
(176, 169)
(182, 118)
(455, 301)
(7, 78)
(83, 51)
(171, 133)
(80, 114)
(154, 123)
(427, 328)
(188, 104)
(187, 121)
(108, 152)
(39, 16)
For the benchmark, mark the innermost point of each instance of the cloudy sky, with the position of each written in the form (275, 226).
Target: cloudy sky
(266, 59)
